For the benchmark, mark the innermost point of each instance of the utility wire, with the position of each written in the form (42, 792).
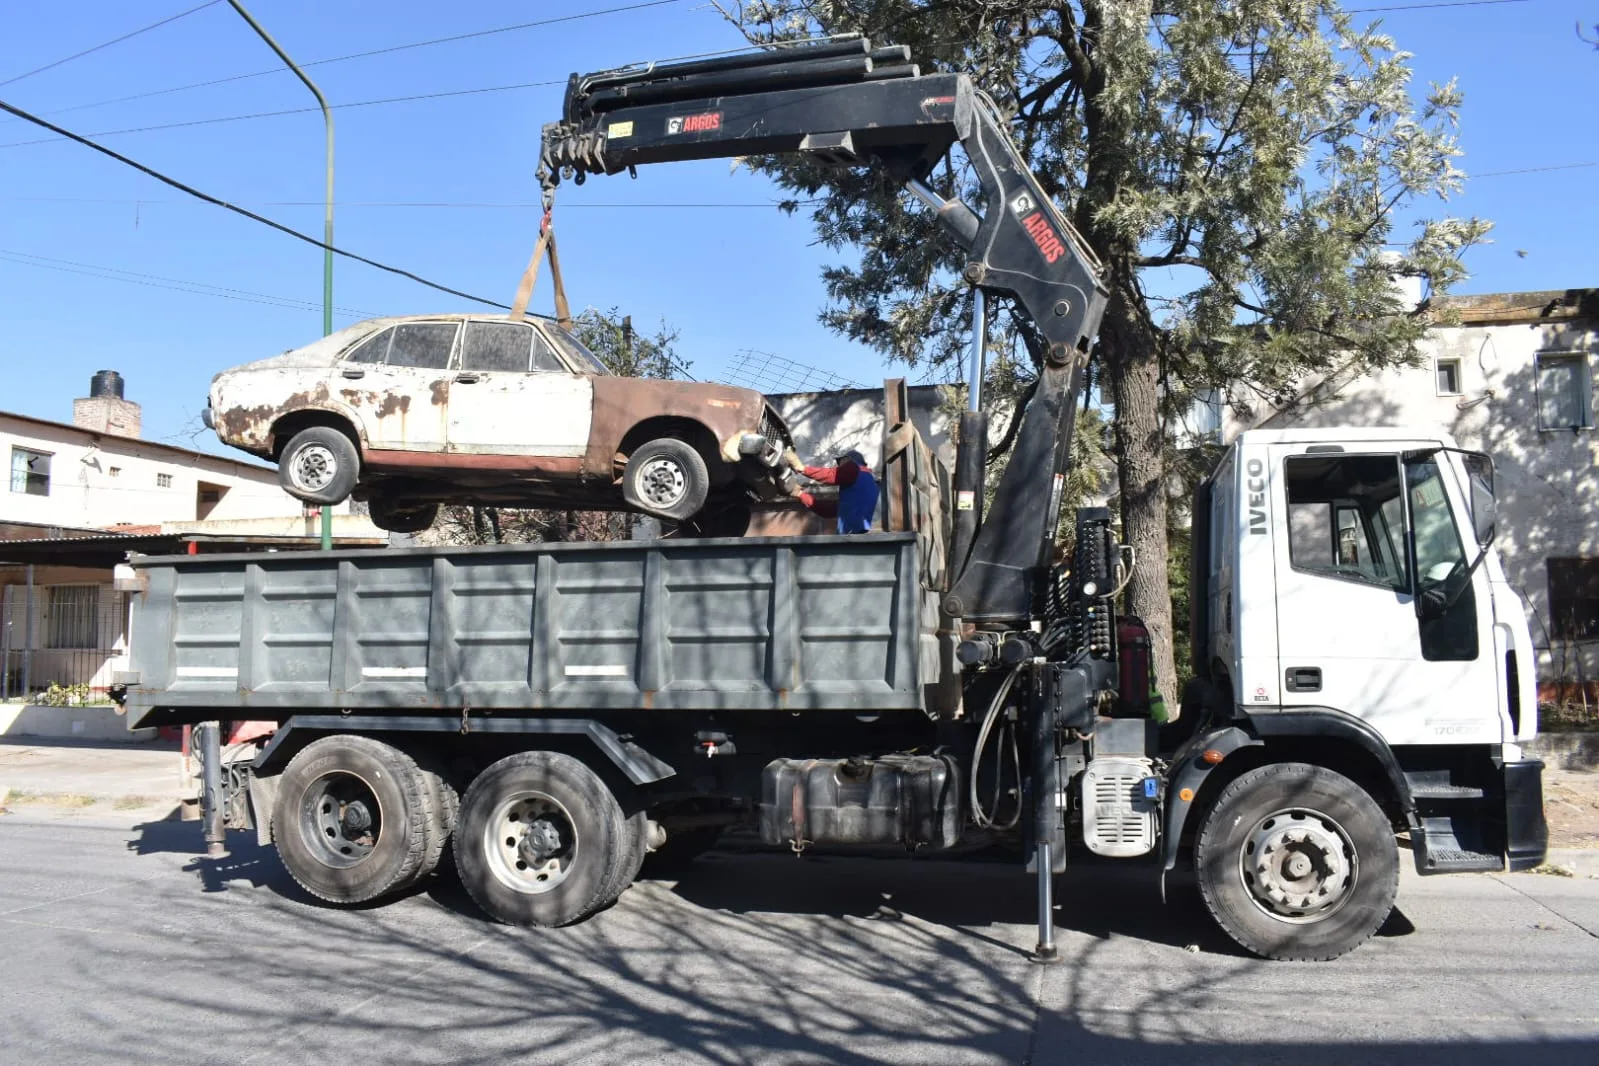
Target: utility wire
(157, 281)
(344, 204)
(295, 111)
(262, 219)
(108, 44)
(1423, 7)
(375, 52)
(1533, 170)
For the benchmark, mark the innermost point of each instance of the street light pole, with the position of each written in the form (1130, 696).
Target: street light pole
(327, 218)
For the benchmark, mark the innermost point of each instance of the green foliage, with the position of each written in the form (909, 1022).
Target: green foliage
(610, 336)
(1255, 151)
(58, 695)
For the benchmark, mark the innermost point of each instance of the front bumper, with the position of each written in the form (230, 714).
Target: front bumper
(208, 418)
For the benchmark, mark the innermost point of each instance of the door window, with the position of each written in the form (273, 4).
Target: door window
(1443, 573)
(496, 346)
(371, 350)
(1338, 508)
(423, 344)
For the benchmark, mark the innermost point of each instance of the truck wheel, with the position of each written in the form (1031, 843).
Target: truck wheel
(667, 478)
(319, 465)
(443, 804)
(353, 819)
(399, 519)
(1297, 863)
(539, 840)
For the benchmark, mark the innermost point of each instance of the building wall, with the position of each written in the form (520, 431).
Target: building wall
(1547, 479)
(59, 631)
(101, 480)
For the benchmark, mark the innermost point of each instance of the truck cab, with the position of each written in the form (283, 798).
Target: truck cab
(1347, 590)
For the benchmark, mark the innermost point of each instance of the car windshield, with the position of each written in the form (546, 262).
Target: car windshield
(586, 360)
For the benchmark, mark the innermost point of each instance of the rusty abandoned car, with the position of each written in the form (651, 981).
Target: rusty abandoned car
(412, 412)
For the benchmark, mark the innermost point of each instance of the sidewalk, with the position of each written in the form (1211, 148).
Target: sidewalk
(87, 774)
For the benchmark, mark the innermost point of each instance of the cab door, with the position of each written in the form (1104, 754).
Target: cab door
(510, 395)
(1359, 536)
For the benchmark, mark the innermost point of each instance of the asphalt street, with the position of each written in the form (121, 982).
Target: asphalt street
(119, 944)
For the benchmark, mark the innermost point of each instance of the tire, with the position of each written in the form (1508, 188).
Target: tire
(666, 478)
(444, 803)
(632, 861)
(1324, 830)
(681, 849)
(354, 819)
(397, 519)
(539, 840)
(319, 465)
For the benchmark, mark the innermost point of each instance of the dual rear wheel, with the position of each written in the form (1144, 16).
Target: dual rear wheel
(538, 838)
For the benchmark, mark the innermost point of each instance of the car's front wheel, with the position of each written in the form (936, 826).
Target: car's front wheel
(396, 518)
(319, 465)
(667, 478)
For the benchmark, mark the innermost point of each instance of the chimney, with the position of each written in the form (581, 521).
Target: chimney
(104, 410)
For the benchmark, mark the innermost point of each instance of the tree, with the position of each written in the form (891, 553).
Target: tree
(611, 337)
(1235, 164)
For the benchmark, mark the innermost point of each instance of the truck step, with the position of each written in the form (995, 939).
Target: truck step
(1432, 791)
(1438, 785)
(1454, 861)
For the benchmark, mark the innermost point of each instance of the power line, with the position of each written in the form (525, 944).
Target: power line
(344, 204)
(1423, 7)
(295, 111)
(1533, 170)
(157, 281)
(374, 52)
(262, 219)
(108, 44)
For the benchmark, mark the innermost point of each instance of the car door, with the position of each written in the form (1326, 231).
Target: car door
(511, 395)
(1359, 535)
(396, 382)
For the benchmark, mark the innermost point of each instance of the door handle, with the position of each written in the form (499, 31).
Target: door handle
(352, 372)
(466, 379)
(1303, 678)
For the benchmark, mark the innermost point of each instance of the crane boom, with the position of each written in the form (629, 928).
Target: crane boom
(844, 103)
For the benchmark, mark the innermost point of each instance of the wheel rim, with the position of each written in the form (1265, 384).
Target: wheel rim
(341, 819)
(662, 482)
(313, 468)
(531, 842)
(1299, 865)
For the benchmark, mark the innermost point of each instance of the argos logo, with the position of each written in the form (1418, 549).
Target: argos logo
(701, 123)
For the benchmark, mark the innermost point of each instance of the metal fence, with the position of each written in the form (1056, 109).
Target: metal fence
(61, 634)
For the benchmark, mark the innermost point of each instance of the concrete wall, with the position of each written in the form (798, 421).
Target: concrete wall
(826, 423)
(1547, 480)
(101, 480)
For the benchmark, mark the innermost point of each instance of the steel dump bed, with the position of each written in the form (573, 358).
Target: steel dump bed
(779, 624)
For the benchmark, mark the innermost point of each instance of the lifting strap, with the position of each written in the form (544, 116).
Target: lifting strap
(530, 276)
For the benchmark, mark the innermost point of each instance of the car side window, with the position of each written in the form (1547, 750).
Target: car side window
(371, 350)
(423, 344)
(544, 359)
(496, 346)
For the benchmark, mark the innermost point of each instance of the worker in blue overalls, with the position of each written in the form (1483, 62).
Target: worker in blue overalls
(857, 491)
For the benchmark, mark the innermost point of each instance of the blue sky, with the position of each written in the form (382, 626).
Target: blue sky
(89, 249)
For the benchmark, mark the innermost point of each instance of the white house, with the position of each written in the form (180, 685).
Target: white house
(1513, 378)
(60, 617)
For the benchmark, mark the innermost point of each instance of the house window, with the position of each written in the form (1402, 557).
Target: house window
(72, 616)
(1573, 598)
(30, 472)
(1448, 376)
(1565, 390)
(163, 481)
